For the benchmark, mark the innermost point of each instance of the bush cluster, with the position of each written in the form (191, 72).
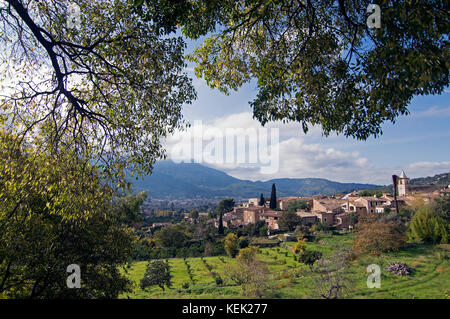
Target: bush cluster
(189, 271)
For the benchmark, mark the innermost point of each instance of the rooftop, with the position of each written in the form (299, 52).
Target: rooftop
(271, 213)
(330, 203)
(403, 175)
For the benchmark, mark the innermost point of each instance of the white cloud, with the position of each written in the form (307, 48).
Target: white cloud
(433, 111)
(424, 169)
(298, 157)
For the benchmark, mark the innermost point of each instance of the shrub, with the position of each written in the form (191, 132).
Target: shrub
(231, 245)
(208, 266)
(219, 280)
(185, 285)
(263, 231)
(300, 246)
(441, 255)
(374, 237)
(309, 257)
(428, 227)
(286, 275)
(249, 272)
(197, 291)
(243, 243)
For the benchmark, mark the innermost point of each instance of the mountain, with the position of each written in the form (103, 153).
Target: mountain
(191, 180)
(439, 179)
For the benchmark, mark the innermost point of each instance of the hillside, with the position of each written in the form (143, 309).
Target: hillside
(190, 180)
(290, 279)
(439, 179)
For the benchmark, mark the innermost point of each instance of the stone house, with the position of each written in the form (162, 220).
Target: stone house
(343, 221)
(271, 217)
(307, 217)
(371, 203)
(253, 202)
(255, 214)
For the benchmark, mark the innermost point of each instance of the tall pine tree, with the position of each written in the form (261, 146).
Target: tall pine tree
(273, 198)
(224, 206)
(220, 231)
(261, 200)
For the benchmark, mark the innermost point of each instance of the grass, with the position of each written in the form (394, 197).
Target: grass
(291, 279)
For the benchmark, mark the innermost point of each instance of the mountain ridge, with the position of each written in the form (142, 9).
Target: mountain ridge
(438, 179)
(170, 180)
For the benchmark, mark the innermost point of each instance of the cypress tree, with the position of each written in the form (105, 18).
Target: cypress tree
(224, 206)
(261, 200)
(220, 224)
(273, 198)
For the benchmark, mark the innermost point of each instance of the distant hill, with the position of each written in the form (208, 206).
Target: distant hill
(439, 179)
(190, 180)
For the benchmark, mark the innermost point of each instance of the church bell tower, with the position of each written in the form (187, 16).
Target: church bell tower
(402, 184)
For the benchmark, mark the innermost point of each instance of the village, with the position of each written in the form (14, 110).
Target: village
(334, 211)
(298, 242)
(191, 151)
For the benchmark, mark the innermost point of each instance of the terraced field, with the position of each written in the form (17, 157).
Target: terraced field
(291, 279)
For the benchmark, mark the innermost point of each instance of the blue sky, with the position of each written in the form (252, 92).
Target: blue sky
(419, 143)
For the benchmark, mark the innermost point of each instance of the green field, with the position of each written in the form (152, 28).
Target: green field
(291, 279)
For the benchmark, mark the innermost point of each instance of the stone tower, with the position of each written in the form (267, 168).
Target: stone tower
(402, 184)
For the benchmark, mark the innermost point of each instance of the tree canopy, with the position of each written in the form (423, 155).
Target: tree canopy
(426, 225)
(171, 236)
(225, 205)
(249, 272)
(57, 211)
(231, 244)
(376, 236)
(112, 87)
(289, 220)
(297, 204)
(158, 274)
(319, 62)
